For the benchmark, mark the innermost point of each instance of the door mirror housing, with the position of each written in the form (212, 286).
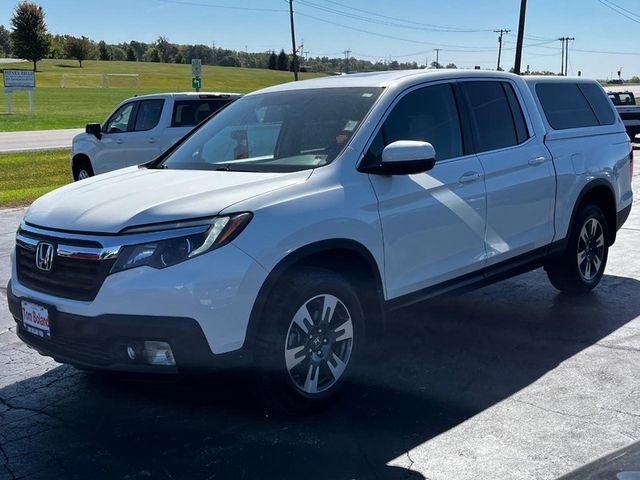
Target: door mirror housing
(94, 129)
(404, 157)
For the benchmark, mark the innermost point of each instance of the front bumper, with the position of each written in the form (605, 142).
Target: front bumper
(101, 342)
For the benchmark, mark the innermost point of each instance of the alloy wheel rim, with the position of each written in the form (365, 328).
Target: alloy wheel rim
(319, 343)
(82, 174)
(590, 249)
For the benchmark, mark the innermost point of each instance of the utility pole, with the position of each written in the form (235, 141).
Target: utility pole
(500, 32)
(346, 60)
(437, 57)
(520, 41)
(293, 42)
(566, 55)
(564, 65)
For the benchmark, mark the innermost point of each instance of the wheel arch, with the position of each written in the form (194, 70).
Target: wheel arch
(346, 257)
(77, 159)
(598, 192)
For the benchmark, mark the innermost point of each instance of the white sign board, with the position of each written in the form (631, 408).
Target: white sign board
(196, 67)
(19, 78)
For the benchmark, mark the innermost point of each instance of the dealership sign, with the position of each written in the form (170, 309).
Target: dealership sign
(19, 78)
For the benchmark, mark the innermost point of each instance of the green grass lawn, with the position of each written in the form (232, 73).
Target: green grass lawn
(26, 176)
(70, 107)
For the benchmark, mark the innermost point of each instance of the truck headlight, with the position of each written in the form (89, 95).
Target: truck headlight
(165, 253)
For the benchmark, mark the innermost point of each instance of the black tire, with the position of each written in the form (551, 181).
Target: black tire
(566, 272)
(280, 387)
(80, 167)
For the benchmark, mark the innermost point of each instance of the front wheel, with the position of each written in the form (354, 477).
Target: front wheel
(82, 170)
(582, 265)
(309, 334)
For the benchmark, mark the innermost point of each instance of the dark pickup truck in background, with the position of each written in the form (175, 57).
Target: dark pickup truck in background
(625, 103)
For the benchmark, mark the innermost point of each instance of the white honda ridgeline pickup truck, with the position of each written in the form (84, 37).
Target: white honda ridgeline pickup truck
(280, 233)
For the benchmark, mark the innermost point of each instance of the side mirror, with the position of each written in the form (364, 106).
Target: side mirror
(404, 157)
(94, 129)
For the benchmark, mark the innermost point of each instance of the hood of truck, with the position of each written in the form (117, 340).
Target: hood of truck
(135, 196)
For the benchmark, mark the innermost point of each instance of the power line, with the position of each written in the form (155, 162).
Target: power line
(377, 21)
(454, 48)
(620, 10)
(376, 14)
(228, 7)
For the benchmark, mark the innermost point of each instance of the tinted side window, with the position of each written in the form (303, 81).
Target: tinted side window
(149, 113)
(599, 102)
(565, 106)
(119, 121)
(492, 120)
(187, 113)
(429, 115)
(516, 111)
(626, 99)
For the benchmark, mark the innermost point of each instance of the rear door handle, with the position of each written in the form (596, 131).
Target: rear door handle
(537, 160)
(469, 177)
(119, 141)
(152, 140)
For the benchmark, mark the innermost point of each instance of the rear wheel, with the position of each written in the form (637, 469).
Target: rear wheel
(309, 334)
(582, 265)
(82, 169)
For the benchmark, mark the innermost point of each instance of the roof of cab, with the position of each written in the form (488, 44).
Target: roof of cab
(187, 95)
(384, 79)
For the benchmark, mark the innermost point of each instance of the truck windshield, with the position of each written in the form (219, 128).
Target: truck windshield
(280, 131)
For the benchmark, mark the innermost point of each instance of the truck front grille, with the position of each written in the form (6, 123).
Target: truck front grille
(76, 278)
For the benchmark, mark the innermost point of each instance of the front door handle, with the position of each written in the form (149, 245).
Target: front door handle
(469, 177)
(537, 161)
(119, 141)
(152, 140)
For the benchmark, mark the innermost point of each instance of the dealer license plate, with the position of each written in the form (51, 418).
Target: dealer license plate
(35, 319)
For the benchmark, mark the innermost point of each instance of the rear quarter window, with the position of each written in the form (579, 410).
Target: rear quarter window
(599, 102)
(565, 106)
(188, 113)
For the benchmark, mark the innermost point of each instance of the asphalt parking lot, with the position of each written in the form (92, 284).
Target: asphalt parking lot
(514, 381)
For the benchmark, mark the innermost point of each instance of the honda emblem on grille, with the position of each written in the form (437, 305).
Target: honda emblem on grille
(44, 256)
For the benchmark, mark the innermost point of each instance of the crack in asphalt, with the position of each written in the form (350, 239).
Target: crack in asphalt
(10, 406)
(550, 410)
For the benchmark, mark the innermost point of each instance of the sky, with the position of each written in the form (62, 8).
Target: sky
(606, 32)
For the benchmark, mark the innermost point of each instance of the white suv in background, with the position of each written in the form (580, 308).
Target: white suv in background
(140, 129)
(282, 233)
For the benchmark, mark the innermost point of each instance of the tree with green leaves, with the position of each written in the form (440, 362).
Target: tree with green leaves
(103, 51)
(5, 42)
(283, 61)
(131, 53)
(273, 61)
(78, 48)
(29, 38)
(164, 48)
(151, 55)
(451, 65)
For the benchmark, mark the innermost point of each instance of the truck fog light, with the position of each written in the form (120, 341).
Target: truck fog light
(131, 353)
(158, 353)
